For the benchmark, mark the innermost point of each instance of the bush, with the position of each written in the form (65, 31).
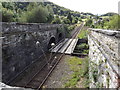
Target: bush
(66, 21)
(69, 17)
(74, 20)
(71, 27)
(39, 14)
(36, 15)
(89, 22)
(114, 22)
(56, 21)
(7, 15)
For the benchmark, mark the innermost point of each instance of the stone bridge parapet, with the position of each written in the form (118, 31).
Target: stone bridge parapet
(17, 27)
(104, 54)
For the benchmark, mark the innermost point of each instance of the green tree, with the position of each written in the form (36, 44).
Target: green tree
(114, 22)
(66, 21)
(8, 5)
(10, 11)
(32, 5)
(7, 15)
(51, 13)
(74, 20)
(38, 14)
(56, 20)
(89, 22)
(69, 17)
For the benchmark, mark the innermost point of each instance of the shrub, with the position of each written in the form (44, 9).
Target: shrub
(7, 15)
(56, 21)
(39, 14)
(114, 22)
(89, 22)
(66, 21)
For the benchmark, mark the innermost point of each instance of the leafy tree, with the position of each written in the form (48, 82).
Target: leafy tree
(89, 22)
(38, 14)
(56, 20)
(8, 5)
(1, 8)
(51, 14)
(10, 12)
(74, 20)
(69, 17)
(7, 15)
(66, 21)
(32, 5)
(114, 22)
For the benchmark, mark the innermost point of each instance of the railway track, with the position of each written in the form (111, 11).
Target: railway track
(39, 78)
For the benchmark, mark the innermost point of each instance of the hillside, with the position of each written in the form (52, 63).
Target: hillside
(19, 11)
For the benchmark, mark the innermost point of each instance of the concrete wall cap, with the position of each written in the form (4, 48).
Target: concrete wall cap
(107, 32)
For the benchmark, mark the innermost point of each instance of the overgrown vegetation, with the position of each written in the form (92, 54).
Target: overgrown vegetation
(79, 66)
(114, 22)
(89, 22)
(38, 12)
(83, 34)
(82, 48)
(69, 29)
(106, 21)
(31, 12)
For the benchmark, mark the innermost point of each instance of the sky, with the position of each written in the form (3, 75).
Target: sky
(92, 6)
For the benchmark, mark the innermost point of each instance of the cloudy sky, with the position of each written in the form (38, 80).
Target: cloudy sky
(93, 6)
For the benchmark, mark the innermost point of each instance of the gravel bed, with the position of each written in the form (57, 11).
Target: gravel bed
(60, 75)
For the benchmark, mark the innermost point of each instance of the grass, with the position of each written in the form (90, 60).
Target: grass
(83, 48)
(83, 34)
(79, 66)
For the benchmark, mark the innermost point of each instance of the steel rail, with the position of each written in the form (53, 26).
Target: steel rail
(43, 66)
(23, 70)
(11, 80)
(74, 36)
(46, 63)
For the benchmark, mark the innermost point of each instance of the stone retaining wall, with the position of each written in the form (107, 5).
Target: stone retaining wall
(104, 54)
(20, 45)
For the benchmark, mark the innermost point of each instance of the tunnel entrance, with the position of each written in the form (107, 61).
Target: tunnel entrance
(60, 37)
(52, 40)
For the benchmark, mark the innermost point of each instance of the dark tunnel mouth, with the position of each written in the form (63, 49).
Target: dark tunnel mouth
(52, 40)
(60, 37)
